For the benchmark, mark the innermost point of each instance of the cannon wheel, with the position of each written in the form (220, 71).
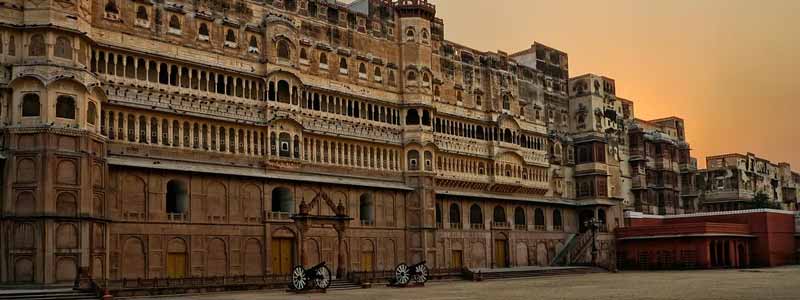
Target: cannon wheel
(299, 280)
(401, 274)
(323, 279)
(421, 274)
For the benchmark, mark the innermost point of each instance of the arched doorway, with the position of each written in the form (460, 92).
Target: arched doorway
(176, 258)
(501, 251)
(282, 252)
(584, 217)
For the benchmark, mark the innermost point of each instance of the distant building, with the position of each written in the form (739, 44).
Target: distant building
(662, 169)
(731, 181)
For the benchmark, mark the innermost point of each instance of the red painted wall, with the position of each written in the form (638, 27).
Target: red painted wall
(774, 244)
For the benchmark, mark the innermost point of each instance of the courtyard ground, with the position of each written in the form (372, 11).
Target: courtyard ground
(773, 284)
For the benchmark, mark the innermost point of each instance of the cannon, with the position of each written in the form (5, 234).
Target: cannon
(403, 274)
(317, 277)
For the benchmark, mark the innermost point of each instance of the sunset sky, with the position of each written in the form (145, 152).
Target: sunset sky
(727, 67)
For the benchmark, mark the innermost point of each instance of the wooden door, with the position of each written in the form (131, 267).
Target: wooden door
(367, 261)
(500, 254)
(282, 256)
(176, 265)
(458, 258)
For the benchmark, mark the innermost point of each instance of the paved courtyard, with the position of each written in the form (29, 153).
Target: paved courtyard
(777, 283)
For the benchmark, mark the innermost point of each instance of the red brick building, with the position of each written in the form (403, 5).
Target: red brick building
(746, 238)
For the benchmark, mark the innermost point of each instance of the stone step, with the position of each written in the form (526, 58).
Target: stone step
(510, 274)
(46, 295)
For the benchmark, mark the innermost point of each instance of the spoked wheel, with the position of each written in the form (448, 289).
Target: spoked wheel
(401, 274)
(299, 280)
(421, 274)
(323, 279)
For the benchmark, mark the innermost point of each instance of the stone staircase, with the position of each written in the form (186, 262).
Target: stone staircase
(528, 272)
(46, 294)
(341, 284)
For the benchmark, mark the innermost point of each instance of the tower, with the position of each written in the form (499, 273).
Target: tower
(52, 225)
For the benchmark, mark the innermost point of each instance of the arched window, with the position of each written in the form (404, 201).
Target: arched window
(558, 224)
(412, 117)
(411, 35)
(253, 46)
(428, 161)
(519, 217)
(65, 107)
(426, 80)
(63, 48)
(538, 219)
(362, 69)
(377, 74)
(282, 200)
(283, 91)
(203, 31)
(455, 214)
(91, 113)
(141, 14)
(30, 105)
(475, 215)
(424, 34)
(230, 36)
(323, 60)
(506, 102)
(412, 76)
(601, 218)
(111, 7)
(366, 209)
(391, 77)
(177, 197)
(343, 64)
(413, 160)
(174, 23)
(36, 46)
(283, 50)
(303, 54)
(499, 214)
(285, 139)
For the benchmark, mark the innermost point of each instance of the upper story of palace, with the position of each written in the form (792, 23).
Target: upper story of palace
(372, 67)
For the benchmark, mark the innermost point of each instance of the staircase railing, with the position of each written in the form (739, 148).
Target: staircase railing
(584, 241)
(564, 250)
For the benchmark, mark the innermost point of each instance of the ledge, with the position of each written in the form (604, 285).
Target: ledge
(172, 165)
(507, 197)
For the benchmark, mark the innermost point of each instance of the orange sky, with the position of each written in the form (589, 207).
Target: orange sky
(726, 66)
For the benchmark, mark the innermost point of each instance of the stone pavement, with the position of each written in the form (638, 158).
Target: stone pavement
(774, 284)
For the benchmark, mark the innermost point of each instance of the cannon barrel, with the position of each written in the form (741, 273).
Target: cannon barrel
(419, 263)
(320, 265)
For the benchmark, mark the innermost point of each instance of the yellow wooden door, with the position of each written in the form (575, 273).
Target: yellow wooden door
(500, 253)
(176, 265)
(367, 261)
(458, 258)
(281, 256)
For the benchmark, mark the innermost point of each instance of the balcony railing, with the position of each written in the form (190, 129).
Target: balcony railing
(367, 223)
(478, 226)
(456, 226)
(520, 227)
(558, 228)
(279, 215)
(177, 217)
(501, 225)
(539, 227)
